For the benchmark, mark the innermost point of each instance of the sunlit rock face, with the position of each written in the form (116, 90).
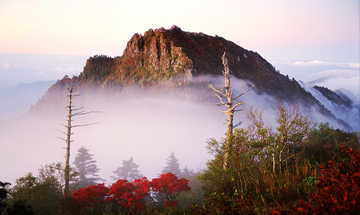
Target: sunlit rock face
(171, 59)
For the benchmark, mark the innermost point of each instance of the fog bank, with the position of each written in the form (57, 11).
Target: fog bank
(147, 127)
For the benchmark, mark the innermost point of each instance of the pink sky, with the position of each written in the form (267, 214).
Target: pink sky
(283, 32)
(296, 30)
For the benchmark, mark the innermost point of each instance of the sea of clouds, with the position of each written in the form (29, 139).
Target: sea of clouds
(147, 128)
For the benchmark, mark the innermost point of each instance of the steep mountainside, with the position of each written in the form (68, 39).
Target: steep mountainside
(169, 59)
(167, 55)
(340, 105)
(337, 98)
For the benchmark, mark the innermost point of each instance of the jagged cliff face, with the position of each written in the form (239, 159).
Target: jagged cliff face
(172, 58)
(155, 51)
(161, 54)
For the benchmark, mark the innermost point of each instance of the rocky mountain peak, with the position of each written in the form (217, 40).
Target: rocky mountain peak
(172, 57)
(170, 52)
(156, 51)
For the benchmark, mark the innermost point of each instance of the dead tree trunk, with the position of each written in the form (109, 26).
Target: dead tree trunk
(227, 93)
(68, 134)
(68, 140)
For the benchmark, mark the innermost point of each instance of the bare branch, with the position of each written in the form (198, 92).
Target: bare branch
(60, 131)
(60, 138)
(244, 92)
(78, 113)
(74, 126)
(221, 93)
(219, 98)
(83, 113)
(78, 109)
(63, 125)
(240, 103)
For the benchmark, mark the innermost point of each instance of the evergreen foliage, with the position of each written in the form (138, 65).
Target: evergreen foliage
(3, 195)
(186, 171)
(129, 171)
(86, 168)
(173, 166)
(20, 207)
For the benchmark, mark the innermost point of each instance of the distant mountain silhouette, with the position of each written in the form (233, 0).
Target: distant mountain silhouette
(17, 100)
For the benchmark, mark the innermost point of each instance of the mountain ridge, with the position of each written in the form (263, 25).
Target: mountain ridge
(176, 57)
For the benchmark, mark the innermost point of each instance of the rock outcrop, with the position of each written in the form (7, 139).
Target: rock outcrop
(174, 57)
(168, 53)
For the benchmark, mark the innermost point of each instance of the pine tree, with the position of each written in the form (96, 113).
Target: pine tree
(128, 171)
(173, 166)
(86, 168)
(186, 170)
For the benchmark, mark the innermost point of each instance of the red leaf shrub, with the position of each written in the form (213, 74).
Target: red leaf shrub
(169, 187)
(91, 195)
(168, 204)
(130, 194)
(338, 189)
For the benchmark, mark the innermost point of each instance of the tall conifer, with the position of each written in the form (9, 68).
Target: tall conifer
(173, 166)
(86, 168)
(128, 171)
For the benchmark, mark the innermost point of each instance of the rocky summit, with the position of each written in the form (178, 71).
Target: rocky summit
(169, 54)
(171, 58)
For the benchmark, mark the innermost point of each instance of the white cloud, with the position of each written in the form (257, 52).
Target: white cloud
(27, 68)
(335, 73)
(337, 83)
(6, 66)
(322, 63)
(354, 65)
(58, 69)
(65, 71)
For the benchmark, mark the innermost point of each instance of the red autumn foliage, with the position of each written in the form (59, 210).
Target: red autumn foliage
(91, 195)
(131, 195)
(168, 204)
(338, 189)
(169, 187)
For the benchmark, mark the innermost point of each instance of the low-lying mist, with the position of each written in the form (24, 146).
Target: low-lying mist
(133, 123)
(350, 114)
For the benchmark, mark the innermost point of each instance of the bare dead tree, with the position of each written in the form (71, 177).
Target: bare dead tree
(228, 94)
(69, 126)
